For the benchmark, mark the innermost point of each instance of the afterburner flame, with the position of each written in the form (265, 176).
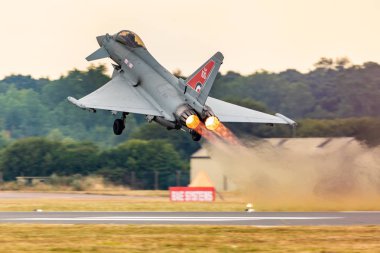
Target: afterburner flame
(213, 131)
(205, 133)
(212, 123)
(221, 133)
(227, 135)
(192, 121)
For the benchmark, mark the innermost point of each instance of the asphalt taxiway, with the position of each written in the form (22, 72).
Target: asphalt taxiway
(211, 218)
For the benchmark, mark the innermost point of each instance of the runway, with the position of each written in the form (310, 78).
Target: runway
(196, 218)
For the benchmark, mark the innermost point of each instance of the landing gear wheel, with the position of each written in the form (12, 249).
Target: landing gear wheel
(118, 126)
(195, 136)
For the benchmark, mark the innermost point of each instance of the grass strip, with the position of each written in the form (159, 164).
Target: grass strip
(186, 238)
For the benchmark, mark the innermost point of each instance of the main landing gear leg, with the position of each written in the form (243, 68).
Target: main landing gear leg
(119, 124)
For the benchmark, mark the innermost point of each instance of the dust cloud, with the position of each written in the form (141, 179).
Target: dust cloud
(338, 175)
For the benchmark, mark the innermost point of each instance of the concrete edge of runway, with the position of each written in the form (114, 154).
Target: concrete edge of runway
(197, 218)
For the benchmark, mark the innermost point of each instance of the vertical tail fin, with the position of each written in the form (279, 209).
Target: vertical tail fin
(201, 81)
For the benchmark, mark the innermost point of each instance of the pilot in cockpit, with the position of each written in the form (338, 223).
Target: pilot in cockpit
(129, 39)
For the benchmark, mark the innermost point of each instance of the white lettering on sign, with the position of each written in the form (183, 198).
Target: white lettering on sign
(198, 196)
(206, 196)
(177, 196)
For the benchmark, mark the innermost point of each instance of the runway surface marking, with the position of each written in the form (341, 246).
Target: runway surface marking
(213, 218)
(146, 218)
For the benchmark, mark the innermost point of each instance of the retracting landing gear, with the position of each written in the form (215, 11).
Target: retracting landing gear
(119, 124)
(195, 136)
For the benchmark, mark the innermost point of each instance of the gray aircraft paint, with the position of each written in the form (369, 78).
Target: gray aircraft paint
(141, 85)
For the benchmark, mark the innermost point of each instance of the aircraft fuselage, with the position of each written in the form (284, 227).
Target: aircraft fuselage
(151, 79)
(141, 85)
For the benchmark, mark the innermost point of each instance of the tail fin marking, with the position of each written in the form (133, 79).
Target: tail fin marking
(199, 79)
(203, 78)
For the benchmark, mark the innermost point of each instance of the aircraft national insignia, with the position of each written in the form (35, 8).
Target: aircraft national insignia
(199, 79)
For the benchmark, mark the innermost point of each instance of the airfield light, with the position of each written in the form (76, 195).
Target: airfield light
(212, 123)
(192, 121)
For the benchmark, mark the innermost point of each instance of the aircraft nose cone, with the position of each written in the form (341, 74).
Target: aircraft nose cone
(100, 39)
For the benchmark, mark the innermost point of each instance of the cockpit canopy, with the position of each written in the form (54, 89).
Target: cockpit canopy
(130, 39)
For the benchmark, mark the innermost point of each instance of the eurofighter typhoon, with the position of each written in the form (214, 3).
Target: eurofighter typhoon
(141, 85)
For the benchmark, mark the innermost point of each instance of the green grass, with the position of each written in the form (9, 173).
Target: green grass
(33, 238)
(121, 201)
(159, 201)
(143, 238)
(114, 204)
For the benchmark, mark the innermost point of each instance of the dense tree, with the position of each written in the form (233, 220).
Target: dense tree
(76, 83)
(144, 158)
(365, 130)
(180, 140)
(38, 156)
(23, 82)
(334, 89)
(78, 158)
(30, 157)
(335, 99)
(22, 113)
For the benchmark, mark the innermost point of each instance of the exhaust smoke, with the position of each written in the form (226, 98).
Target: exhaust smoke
(297, 177)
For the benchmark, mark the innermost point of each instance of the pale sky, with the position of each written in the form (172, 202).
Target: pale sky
(47, 38)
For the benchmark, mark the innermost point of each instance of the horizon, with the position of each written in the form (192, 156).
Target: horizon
(109, 70)
(56, 36)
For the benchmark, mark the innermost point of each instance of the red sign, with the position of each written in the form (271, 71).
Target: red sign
(192, 194)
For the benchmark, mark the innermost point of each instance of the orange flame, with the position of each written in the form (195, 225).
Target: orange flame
(221, 132)
(226, 134)
(212, 123)
(205, 133)
(192, 121)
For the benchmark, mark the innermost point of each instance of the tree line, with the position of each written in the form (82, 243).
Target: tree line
(39, 156)
(336, 98)
(334, 89)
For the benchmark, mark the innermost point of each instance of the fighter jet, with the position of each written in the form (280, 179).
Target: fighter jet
(141, 85)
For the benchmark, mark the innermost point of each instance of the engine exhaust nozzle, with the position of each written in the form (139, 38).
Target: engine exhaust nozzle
(212, 123)
(192, 121)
